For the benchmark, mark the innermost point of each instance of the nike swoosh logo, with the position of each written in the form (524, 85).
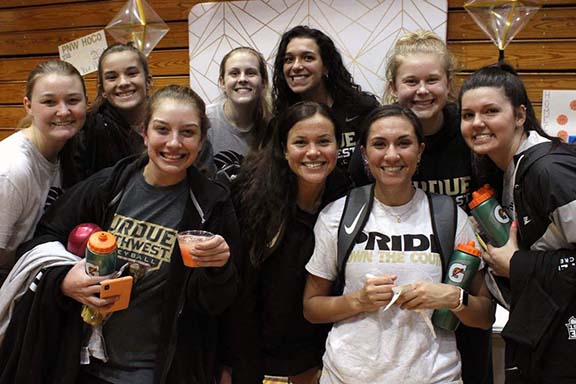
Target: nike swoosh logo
(350, 229)
(527, 220)
(349, 119)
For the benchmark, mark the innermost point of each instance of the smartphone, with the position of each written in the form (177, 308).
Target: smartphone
(122, 287)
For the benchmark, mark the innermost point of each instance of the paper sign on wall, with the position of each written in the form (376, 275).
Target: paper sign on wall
(83, 53)
(559, 114)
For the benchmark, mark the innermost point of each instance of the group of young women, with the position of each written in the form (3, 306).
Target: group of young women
(262, 301)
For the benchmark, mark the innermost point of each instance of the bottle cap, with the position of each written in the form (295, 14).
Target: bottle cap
(469, 248)
(102, 242)
(481, 195)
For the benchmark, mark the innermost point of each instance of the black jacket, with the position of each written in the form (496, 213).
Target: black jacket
(105, 138)
(194, 298)
(541, 332)
(44, 336)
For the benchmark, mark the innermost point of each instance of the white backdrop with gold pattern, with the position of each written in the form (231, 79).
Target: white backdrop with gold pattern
(363, 31)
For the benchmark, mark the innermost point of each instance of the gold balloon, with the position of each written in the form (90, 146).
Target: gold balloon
(139, 23)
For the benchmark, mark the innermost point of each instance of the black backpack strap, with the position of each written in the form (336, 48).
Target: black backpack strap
(356, 212)
(444, 214)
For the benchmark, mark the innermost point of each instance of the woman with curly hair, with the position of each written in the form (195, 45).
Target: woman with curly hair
(308, 67)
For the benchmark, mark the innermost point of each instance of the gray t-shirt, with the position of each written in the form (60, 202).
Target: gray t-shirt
(145, 225)
(229, 144)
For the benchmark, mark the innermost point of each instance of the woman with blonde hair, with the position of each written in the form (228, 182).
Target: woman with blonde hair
(30, 159)
(239, 121)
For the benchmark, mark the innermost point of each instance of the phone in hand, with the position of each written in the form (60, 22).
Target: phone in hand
(122, 287)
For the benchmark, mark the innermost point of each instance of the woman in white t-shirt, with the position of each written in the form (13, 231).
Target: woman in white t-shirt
(366, 343)
(30, 166)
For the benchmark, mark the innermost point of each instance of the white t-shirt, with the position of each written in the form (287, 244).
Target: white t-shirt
(395, 346)
(28, 181)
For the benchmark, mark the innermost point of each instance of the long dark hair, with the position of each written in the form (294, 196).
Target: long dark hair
(501, 76)
(391, 110)
(266, 188)
(263, 111)
(339, 82)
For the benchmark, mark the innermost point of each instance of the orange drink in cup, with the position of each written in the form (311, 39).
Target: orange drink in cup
(186, 239)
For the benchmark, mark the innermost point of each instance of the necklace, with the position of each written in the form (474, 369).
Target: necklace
(399, 215)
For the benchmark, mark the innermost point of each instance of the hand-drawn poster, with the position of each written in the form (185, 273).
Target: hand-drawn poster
(83, 53)
(559, 114)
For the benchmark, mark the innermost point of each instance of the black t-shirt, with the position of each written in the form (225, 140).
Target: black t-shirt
(446, 164)
(145, 225)
(351, 114)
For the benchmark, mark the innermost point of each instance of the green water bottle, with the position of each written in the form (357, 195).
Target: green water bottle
(463, 266)
(491, 217)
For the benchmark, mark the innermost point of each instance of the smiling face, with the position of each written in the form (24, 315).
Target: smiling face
(242, 81)
(173, 139)
(311, 150)
(304, 69)
(490, 125)
(124, 82)
(421, 84)
(393, 152)
(57, 107)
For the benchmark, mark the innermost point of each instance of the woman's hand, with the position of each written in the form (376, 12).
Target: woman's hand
(499, 258)
(83, 288)
(376, 293)
(428, 295)
(213, 252)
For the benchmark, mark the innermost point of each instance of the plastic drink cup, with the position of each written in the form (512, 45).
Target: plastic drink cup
(186, 239)
(490, 216)
(463, 266)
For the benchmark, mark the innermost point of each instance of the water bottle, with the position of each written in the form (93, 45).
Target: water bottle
(101, 254)
(491, 217)
(463, 266)
(100, 261)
